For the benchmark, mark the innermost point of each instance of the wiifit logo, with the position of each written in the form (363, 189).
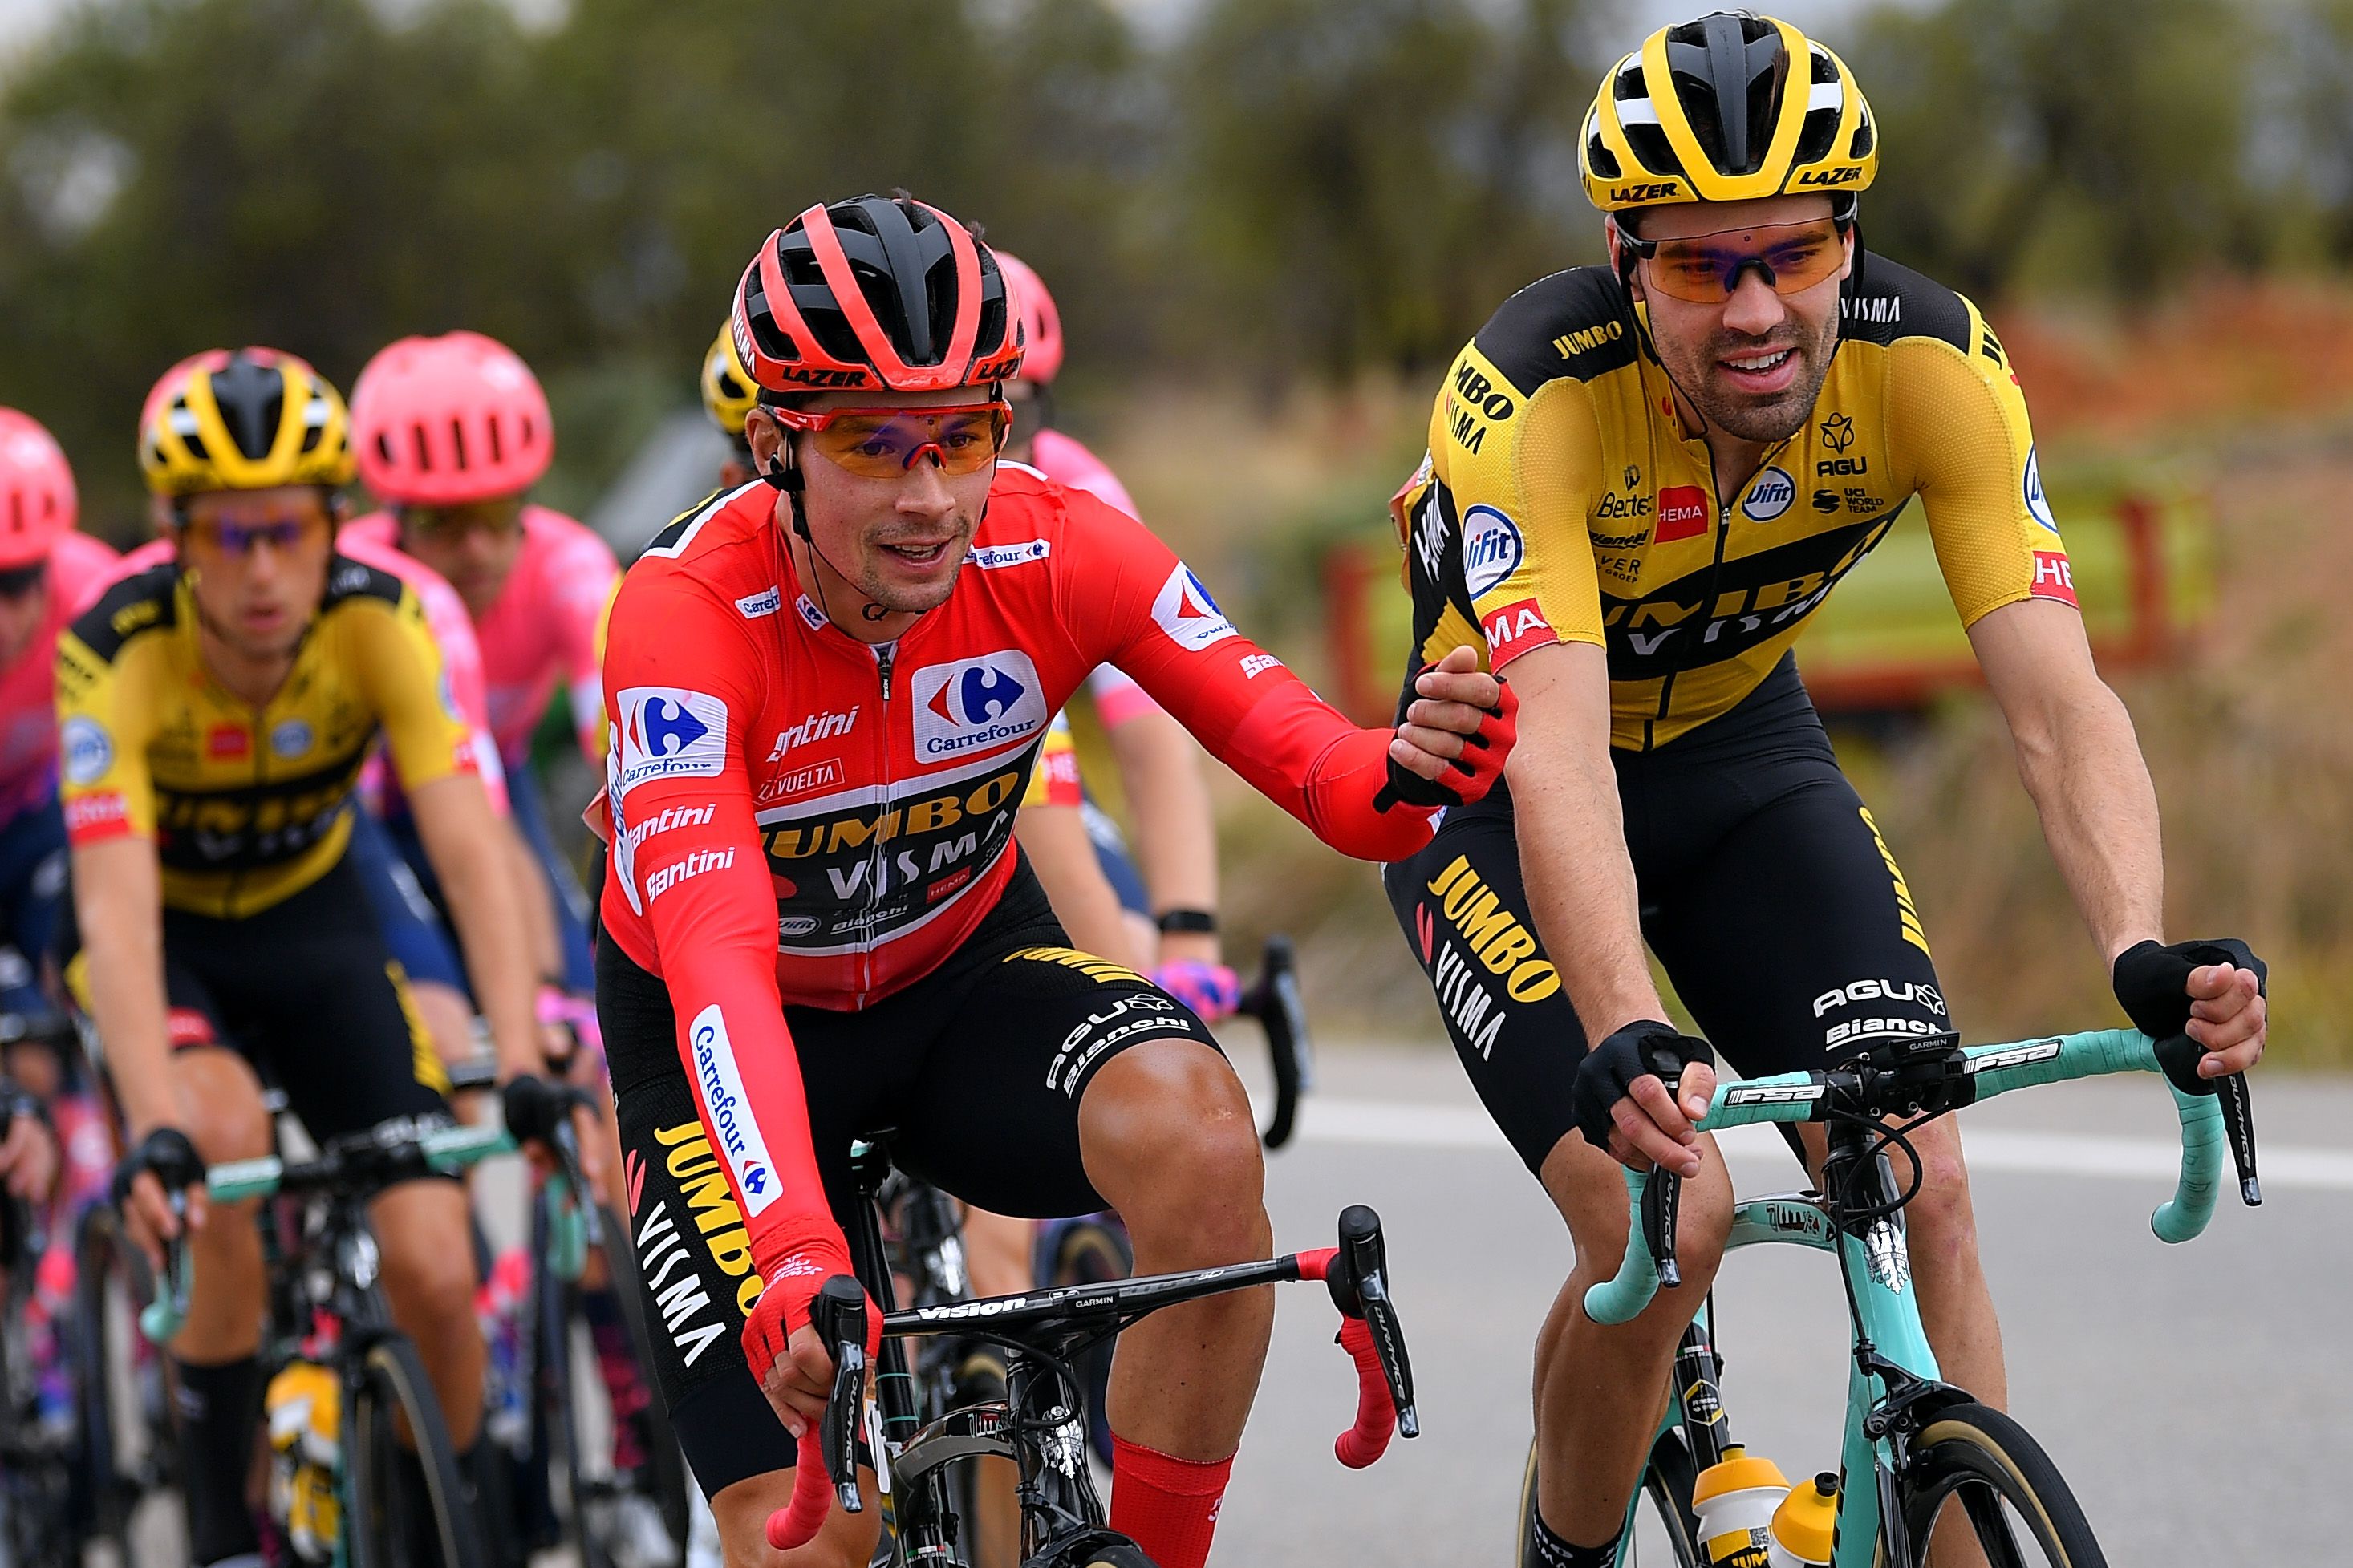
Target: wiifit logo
(975, 706)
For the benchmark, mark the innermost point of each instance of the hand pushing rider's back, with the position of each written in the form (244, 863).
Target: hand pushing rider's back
(1643, 478)
(826, 690)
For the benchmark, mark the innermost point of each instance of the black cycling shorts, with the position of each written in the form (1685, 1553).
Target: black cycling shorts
(307, 991)
(1766, 893)
(976, 1072)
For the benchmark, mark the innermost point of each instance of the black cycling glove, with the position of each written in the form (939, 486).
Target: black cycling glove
(534, 1107)
(168, 1153)
(2152, 983)
(1644, 1048)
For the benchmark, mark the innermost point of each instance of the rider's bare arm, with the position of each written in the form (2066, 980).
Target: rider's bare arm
(1572, 838)
(1176, 833)
(118, 909)
(464, 840)
(1055, 839)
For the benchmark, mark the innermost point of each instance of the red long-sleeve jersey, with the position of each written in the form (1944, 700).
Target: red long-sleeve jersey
(799, 817)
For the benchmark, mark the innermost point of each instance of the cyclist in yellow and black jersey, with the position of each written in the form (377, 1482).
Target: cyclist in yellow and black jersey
(213, 712)
(246, 805)
(1563, 503)
(1643, 478)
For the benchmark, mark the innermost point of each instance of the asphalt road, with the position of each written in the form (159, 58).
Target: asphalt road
(2190, 1395)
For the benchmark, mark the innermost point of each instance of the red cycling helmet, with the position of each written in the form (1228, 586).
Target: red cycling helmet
(1041, 324)
(878, 293)
(448, 421)
(37, 492)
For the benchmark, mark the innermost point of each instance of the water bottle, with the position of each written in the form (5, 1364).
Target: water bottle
(1805, 1524)
(1735, 1499)
(303, 1409)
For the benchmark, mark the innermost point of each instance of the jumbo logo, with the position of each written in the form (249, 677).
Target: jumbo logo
(1587, 339)
(976, 705)
(1494, 936)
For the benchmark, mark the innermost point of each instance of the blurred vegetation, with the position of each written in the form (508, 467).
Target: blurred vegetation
(1283, 190)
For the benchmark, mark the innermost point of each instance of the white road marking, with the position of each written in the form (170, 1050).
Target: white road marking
(1395, 1124)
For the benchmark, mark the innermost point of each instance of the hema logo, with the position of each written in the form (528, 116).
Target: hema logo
(720, 1084)
(976, 705)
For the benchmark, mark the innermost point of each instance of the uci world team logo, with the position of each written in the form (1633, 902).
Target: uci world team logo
(977, 706)
(666, 732)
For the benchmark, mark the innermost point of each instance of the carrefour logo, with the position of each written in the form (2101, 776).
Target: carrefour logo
(975, 706)
(720, 1084)
(1492, 549)
(666, 731)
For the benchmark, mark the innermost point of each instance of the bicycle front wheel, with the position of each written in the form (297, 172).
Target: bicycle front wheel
(1660, 1529)
(382, 1507)
(1977, 1473)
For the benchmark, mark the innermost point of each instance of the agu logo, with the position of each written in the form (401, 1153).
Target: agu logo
(720, 1084)
(1492, 549)
(666, 731)
(1187, 613)
(976, 705)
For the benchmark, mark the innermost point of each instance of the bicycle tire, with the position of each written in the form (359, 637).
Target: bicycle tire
(667, 1459)
(1667, 1479)
(121, 1406)
(1986, 1459)
(391, 1382)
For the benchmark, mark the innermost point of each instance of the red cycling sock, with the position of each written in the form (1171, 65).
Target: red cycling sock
(1166, 1505)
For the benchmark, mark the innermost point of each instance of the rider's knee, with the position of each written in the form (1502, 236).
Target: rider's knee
(1170, 1126)
(1939, 1219)
(222, 1111)
(429, 1269)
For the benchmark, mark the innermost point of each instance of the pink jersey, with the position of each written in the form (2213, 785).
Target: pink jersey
(547, 625)
(1069, 463)
(452, 627)
(80, 567)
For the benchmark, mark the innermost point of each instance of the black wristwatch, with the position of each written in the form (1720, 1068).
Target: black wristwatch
(1190, 923)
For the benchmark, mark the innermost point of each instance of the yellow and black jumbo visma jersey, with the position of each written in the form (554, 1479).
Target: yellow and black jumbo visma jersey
(1562, 501)
(247, 807)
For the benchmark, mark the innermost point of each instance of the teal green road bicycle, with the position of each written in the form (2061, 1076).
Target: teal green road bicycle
(1917, 1450)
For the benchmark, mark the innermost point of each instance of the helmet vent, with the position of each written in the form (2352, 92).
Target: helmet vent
(1866, 137)
(498, 450)
(458, 444)
(416, 438)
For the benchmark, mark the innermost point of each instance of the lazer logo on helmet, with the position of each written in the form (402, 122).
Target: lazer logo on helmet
(1824, 177)
(720, 1084)
(976, 705)
(1492, 550)
(666, 731)
(1187, 613)
(1658, 191)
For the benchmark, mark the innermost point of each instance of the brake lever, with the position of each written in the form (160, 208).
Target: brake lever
(839, 1314)
(2178, 1057)
(1661, 1202)
(1364, 1274)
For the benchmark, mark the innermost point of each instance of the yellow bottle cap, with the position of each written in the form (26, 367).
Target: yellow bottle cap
(1736, 1476)
(1805, 1522)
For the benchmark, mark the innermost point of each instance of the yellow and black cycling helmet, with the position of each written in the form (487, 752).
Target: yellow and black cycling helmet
(1727, 108)
(728, 392)
(243, 419)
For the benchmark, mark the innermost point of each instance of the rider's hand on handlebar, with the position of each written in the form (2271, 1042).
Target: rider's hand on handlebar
(1621, 1100)
(2211, 991)
(163, 1161)
(534, 1107)
(788, 1358)
(1456, 735)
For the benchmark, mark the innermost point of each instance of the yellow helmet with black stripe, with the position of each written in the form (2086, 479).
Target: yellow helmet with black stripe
(728, 390)
(243, 419)
(1727, 108)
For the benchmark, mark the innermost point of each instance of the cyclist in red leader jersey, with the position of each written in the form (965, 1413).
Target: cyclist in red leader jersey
(826, 692)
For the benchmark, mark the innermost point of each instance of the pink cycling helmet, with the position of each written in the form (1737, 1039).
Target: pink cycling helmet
(37, 492)
(450, 420)
(1039, 319)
